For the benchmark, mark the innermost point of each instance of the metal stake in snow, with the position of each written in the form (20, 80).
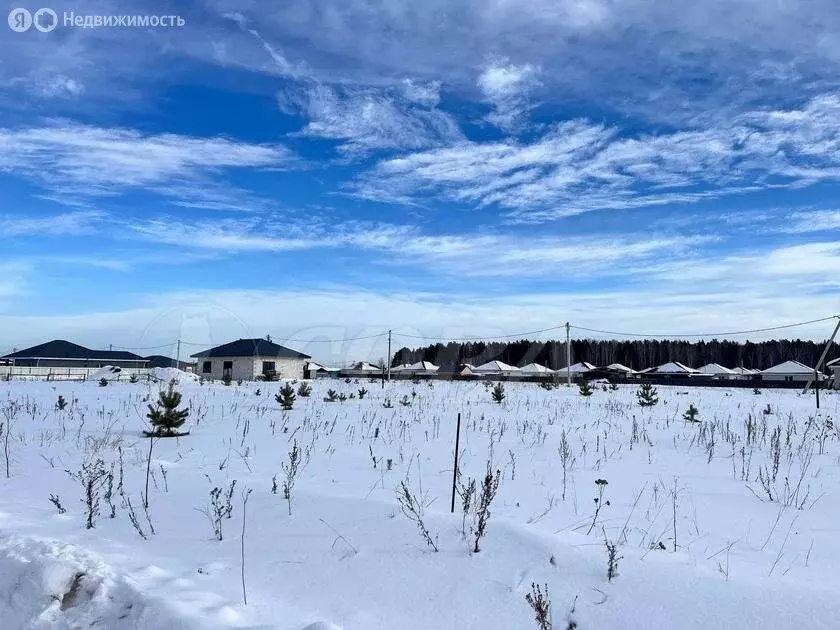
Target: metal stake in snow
(455, 470)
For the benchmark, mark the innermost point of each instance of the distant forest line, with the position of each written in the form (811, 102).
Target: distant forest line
(636, 354)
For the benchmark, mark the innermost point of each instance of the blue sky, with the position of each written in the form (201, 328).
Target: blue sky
(333, 168)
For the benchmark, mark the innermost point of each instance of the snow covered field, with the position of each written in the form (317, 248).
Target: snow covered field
(347, 558)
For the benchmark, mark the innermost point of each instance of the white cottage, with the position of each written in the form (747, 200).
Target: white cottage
(790, 371)
(717, 371)
(249, 359)
(495, 367)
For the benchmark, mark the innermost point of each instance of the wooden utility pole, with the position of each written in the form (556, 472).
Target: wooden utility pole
(178, 356)
(568, 355)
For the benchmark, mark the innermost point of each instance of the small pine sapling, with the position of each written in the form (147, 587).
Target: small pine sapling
(498, 393)
(304, 390)
(61, 404)
(388, 404)
(585, 389)
(405, 401)
(332, 396)
(227, 379)
(165, 417)
(362, 393)
(286, 397)
(133, 378)
(691, 413)
(541, 605)
(647, 395)
(103, 382)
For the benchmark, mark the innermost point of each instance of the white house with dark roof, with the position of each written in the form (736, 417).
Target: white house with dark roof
(250, 359)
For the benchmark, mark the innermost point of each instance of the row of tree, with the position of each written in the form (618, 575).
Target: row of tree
(636, 354)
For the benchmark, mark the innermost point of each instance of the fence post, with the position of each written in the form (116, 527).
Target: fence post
(455, 469)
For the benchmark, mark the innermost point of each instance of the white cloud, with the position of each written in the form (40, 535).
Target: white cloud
(82, 161)
(461, 255)
(812, 221)
(579, 166)
(68, 223)
(365, 120)
(507, 87)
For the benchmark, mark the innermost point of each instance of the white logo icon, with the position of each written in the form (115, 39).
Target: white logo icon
(45, 20)
(20, 20)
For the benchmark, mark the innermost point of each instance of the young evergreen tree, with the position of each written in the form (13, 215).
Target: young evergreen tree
(165, 416)
(286, 397)
(498, 393)
(647, 395)
(304, 390)
(585, 388)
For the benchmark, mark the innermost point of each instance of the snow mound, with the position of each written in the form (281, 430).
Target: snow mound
(164, 375)
(48, 584)
(108, 372)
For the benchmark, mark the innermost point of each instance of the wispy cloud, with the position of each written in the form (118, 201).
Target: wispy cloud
(580, 166)
(507, 87)
(812, 221)
(69, 223)
(463, 255)
(365, 120)
(74, 160)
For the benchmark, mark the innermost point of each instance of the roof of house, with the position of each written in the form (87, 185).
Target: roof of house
(455, 368)
(536, 368)
(834, 362)
(61, 349)
(427, 366)
(583, 366)
(364, 366)
(674, 367)
(618, 367)
(251, 348)
(496, 366)
(714, 368)
(789, 367)
(161, 360)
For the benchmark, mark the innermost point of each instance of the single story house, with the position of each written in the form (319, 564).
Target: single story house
(313, 369)
(64, 354)
(362, 369)
(791, 371)
(535, 369)
(249, 359)
(454, 370)
(495, 367)
(744, 373)
(834, 366)
(421, 368)
(716, 370)
(577, 370)
(674, 368)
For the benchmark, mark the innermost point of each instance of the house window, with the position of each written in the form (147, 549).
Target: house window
(268, 367)
(227, 366)
(207, 367)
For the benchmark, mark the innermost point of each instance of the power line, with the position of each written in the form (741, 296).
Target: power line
(715, 334)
